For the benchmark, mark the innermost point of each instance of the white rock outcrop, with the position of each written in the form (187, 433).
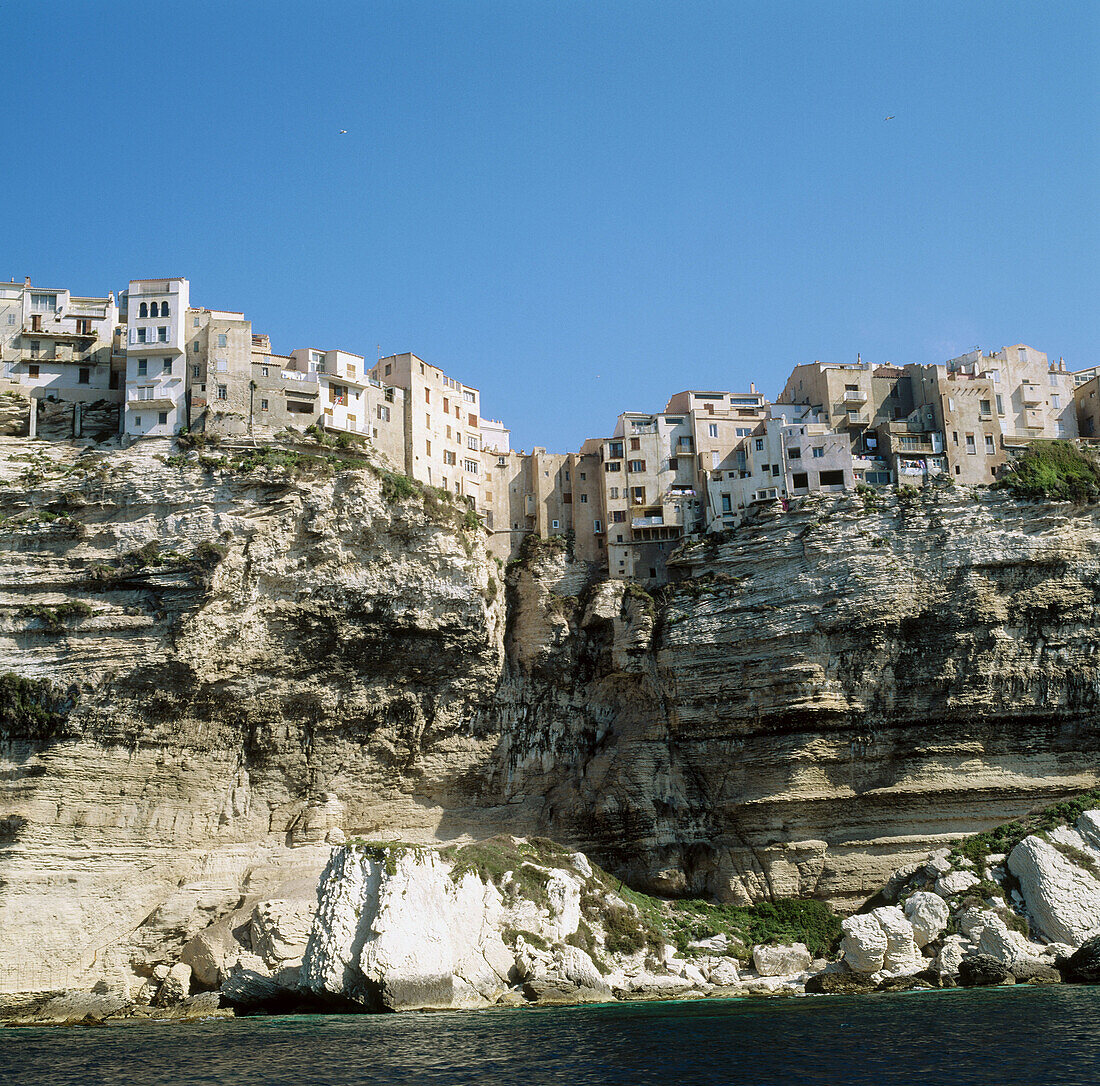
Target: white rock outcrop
(781, 961)
(1063, 899)
(928, 913)
(864, 943)
(956, 882)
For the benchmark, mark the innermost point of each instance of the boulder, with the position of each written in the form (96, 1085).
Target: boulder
(1033, 971)
(781, 961)
(950, 956)
(1083, 966)
(955, 882)
(864, 943)
(928, 913)
(902, 955)
(1088, 826)
(176, 986)
(1063, 899)
(79, 1007)
(723, 973)
(280, 930)
(980, 970)
(1007, 946)
(213, 952)
(578, 968)
(719, 943)
(840, 983)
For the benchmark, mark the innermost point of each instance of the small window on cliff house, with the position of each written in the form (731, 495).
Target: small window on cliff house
(832, 478)
(800, 480)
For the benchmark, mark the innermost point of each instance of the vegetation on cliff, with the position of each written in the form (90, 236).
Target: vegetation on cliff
(1057, 470)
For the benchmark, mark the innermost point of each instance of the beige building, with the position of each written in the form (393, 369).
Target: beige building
(442, 425)
(55, 345)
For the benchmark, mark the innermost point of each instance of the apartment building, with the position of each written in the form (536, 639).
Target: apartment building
(57, 345)
(154, 312)
(721, 425)
(219, 371)
(442, 425)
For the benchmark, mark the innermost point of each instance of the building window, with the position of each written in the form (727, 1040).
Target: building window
(141, 335)
(471, 466)
(137, 420)
(794, 454)
(989, 446)
(164, 309)
(597, 527)
(637, 495)
(1053, 377)
(1056, 402)
(44, 303)
(196, 371)
(673, 463)
(428, 447)
(618, 516)
(263, 405)
(84, 376)
(743, 431)
(555, 524)
(143, 367)
(613, 493)
(984, 407)
(970, 446)
(831, 478)
(223, 339)
(614, 450)
(162, 334)
(195, 323)
(167, 368)
(635, 465)
(584, 499)
(1000, 405)
(759, 444)
(955, 437)
(223, 392)
(32, 370)
(800, 480)
(819, 452)
(154, 310)
(162, 418)
(449, 457)
(263, 371)
(613, 465)
(635, 444)
(469, 397)
(143, 310)
(389, 368)
(727, 504)
(712, 429)
(383, 413)
(472, 442)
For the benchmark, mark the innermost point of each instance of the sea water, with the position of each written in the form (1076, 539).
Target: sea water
(1006, 1036)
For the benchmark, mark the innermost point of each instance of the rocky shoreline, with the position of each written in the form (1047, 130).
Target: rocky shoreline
(512, 922)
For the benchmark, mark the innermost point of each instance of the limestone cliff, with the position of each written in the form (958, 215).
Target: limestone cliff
(836, 689)
(208, 669)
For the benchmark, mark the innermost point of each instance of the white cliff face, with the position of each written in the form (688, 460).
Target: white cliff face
(205, 676)
(1063, 897)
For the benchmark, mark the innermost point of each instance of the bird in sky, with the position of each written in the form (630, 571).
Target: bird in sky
(343, 131)
(890, 118)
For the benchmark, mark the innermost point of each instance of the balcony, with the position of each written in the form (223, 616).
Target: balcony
(854, 418)
(647, 522)
(855, 396)
(1031, 395)
(159, 401)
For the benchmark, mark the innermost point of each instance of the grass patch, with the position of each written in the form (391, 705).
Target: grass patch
(1008, 835)
(54, 618)
(1057, 470)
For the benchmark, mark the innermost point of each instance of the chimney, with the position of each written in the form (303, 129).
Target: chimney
(752, 386)
(26, 280)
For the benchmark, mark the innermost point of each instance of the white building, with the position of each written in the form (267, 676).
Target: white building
(57, 345)
(156, 379)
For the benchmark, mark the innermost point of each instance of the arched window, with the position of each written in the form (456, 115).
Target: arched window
(164, 309)
(153, 310)
(144, 311)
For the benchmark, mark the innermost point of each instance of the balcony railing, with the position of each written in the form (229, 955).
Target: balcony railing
(855, 396)
(647, 522)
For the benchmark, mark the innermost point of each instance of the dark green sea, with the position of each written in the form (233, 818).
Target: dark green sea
(1003, 1036)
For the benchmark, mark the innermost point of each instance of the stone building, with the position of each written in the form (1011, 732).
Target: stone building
(219, 369)
(58, 346)
(442, 425)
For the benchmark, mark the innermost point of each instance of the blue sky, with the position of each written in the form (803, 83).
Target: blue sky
(579, 207)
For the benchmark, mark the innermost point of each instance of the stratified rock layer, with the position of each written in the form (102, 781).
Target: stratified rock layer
(837, 689)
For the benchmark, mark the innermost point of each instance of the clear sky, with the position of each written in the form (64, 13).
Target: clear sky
(580, 207)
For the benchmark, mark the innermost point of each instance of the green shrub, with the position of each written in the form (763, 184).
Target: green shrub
(1057, 470)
